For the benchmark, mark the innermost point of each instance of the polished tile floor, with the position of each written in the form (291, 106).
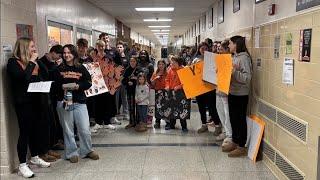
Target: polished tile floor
(156, 155)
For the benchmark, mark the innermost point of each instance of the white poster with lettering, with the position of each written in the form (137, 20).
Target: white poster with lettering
(42, 87)
(209, 68)
(288, 70)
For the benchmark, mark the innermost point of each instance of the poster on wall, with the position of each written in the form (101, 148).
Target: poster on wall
(24, 30)
(288, 43)
(305, 45)
(220, 11)
(98, 84)
(276, 50)
(305, 4)
(288, 71)
(210, 24)
(257, 37)
(236, 5)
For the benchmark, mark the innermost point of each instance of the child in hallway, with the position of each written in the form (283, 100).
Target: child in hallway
(142, 101)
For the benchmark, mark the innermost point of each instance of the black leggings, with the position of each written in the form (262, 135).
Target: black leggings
(30, 134)
(105, 108)
(208, 100)
(132, 107)
(238, 111)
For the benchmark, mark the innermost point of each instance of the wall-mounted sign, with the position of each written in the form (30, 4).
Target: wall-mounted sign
(236, 5)
(211, 18)
(259, 1)
(257, 37)
(24, 30)
(287, 72)
(276, 50)
(259, 64)
(220, 11)
(305, 4)
(288, 43)
(305, 45)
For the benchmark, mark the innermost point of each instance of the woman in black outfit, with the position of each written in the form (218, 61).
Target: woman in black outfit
(22, 69)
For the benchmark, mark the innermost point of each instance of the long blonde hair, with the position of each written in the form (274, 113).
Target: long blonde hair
(21, 50)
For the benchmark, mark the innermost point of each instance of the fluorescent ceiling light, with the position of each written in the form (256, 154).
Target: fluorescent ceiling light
(159, 26)
(160, 30)
(161, 33)
(157, 20)
(168, 9)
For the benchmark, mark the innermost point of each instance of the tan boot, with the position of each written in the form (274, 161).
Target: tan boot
(93, 155)
(140, 128)
(48, 158)
(229, 147)
(204, 128)
(54, 154)
(130, 126)
(74, 159)
(238, 152)
(217, 130)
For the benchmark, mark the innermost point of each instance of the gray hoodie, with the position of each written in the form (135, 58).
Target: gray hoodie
(142, 94)
(241, 76)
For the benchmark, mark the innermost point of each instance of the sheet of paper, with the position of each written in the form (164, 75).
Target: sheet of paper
(43, 87)
(209, 68)
(287, 74)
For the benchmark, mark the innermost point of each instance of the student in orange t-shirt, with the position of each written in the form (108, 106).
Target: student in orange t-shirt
(158, 83)
(172, 82)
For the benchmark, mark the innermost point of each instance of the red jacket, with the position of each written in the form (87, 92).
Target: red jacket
(172, 80)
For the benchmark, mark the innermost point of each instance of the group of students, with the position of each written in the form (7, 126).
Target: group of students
(55, 120)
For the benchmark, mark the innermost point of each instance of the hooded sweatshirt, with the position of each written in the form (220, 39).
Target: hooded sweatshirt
(241, 76)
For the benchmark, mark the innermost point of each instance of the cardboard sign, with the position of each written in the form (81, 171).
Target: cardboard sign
(98, 84)
(255, 131)
(191, 79)
(209, 69)
(224, 71)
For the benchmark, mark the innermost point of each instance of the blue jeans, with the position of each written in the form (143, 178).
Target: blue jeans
(142, 113)
(78, 116)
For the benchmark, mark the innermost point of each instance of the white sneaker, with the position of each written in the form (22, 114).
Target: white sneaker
(93, 130)
(39, 162)
(114, 120)
(227, 141)
(98, 126)
(25, 171)
(110, 126)
(221, 137)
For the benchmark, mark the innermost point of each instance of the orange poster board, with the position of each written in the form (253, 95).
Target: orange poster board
(224, 70)
(191, 79)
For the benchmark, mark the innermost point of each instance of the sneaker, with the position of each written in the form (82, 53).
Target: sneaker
(74, 159)
(211, 124)
(129, 126)
(238, 152)
(156, 125)
(110, 126)
(204, 128)
(54, 154)
(25, 171)
(93, 155)
(97, 126)
(93, 130)
(48, 158)
(217, 130)
(185, 130)
(221, 137)
(115, 120)
(39, 162)
(229, 147)
(226, 141)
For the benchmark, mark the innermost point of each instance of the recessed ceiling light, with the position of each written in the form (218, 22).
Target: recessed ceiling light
(157, 20)
(168, 9)
(159, 26)
(161, 33)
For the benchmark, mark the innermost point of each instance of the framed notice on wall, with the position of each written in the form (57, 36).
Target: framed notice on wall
(289, 43)
(220, 11)
(276, 50)
(305, 4)
(236, 5)
(210, 22)
(305, 45)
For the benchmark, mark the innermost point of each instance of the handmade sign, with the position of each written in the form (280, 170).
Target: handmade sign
(172, 105)
(191, 79)
(98, 84)
(255, 131)
(209, 69)
(224, 71)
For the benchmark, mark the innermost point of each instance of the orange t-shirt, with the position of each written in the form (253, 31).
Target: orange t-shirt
(172, 79)
(159, 83)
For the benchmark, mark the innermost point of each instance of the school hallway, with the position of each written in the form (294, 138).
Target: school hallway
(155, 155)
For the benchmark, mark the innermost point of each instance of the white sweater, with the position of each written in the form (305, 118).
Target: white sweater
(142, 94)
